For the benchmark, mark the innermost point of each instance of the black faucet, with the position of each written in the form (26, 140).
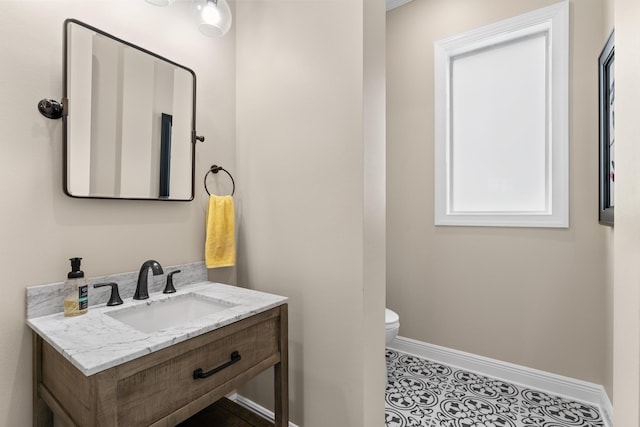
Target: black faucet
(142, 291)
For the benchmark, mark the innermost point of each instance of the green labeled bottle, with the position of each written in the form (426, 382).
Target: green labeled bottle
(76, 302)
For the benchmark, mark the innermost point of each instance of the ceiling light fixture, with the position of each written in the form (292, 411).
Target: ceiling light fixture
(214, 16)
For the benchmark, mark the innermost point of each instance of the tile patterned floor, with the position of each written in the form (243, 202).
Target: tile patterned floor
(427, 394)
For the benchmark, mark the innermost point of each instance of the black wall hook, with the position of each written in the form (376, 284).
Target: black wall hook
(50, 108)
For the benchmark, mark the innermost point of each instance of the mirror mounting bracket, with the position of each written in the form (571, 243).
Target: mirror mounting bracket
(197, 138)
(52, 109)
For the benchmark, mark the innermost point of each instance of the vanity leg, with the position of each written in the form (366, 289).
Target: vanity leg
(42, 415)
(281, 372)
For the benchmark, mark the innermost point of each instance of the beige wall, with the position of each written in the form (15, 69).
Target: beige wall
(374, 209)
(608, 18)
(312, 224)
(626, 373)
(310, 202)
(40, 226)
(528, 296)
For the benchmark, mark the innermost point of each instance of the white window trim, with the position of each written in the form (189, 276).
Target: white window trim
(553, 22)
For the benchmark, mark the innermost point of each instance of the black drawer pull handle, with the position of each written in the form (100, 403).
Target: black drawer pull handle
(199, 373)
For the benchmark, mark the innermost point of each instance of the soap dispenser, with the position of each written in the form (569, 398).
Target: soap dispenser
(76, 302)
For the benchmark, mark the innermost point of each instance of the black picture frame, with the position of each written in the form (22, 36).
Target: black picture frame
(606, 78)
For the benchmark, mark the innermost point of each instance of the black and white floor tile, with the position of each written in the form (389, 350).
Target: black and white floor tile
(422, 393)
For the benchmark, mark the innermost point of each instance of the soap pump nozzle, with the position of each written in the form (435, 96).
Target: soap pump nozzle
(75, 269)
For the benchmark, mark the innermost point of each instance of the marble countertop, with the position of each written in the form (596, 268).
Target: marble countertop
(95, 341)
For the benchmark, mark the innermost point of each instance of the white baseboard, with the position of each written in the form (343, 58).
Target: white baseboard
(606, 408)
(593, 394)
(258, 409)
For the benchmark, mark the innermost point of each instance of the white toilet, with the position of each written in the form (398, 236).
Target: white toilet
(392, 324)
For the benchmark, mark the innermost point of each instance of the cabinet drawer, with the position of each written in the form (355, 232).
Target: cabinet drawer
(152, 393)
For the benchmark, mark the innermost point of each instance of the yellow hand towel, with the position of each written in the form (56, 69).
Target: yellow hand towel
(220, 243)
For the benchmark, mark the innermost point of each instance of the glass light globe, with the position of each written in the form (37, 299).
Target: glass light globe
(215, 18)
(161, 2)
(211, 14)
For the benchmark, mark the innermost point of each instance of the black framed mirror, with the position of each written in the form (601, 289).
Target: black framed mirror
(129, 120)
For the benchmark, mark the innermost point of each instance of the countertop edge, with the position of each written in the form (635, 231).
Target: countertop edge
(157, 341)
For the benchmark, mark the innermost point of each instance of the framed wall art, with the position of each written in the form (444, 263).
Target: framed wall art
(607, 175)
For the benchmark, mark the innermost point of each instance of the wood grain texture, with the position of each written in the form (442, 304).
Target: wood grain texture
(67, 384)
(281, 372)
(171, 385)
(159, 389)
(42, 415)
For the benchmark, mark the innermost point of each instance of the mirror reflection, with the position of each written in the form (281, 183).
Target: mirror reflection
(130, 126)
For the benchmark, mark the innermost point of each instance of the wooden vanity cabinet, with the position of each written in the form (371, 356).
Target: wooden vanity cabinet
(160, 389)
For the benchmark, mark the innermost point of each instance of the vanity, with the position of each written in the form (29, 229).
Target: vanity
(110, 368)
(157, 361)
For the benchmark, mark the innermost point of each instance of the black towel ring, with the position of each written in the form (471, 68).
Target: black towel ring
(216, 169)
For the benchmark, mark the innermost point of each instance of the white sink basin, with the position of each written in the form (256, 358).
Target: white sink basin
(157, 315)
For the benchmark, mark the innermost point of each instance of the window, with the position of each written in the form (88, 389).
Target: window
(501, 123)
